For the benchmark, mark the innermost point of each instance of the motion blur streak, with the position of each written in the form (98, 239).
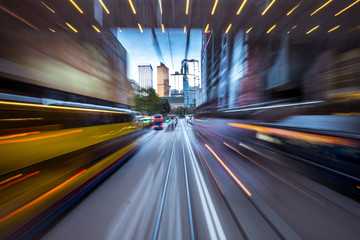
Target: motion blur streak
(131, 5)
(266, 9)
(322, 6)
(292, 9)
(39, 138)
(47, 7)
(104, 6)
(40, 198)
(308, 32)
(214, 8)
(76, 6)
(347, 7)
(229, 171)
(18, 135)
(18, 17)
(11, 178)
(268, 31)
(241, 7)
(18, 180)
(57, 107)
(310, 137)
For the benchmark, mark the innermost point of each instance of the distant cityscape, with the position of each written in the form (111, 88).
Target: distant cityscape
(181, 88)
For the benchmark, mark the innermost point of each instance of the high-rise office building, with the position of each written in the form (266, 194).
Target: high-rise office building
(145, 76)
(162, 80)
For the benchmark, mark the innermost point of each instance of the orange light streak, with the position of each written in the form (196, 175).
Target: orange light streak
(230, 172)
(18, 17)
(39, 198)
(10, 178)
(310, 137)
(18, 180)
(39, 138)
(18, 135)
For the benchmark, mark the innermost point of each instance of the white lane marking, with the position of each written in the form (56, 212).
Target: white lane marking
(211, 216)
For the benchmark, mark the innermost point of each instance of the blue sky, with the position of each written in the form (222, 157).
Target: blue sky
(140, 49)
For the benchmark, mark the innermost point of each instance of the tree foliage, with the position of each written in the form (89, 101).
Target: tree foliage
(147, 101)
(182, 111)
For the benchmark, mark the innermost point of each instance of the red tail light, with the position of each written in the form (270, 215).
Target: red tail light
(153, 119)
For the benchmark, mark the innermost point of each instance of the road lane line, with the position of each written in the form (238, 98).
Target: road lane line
(214, 226)
(18, 180)
(188, 196)
(163, 194)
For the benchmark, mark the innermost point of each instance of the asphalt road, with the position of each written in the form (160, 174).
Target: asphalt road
(182, 184)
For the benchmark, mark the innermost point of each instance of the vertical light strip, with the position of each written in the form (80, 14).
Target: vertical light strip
(141, 30)
(160, 6)
(241, 7)
(249, 30)
(187, 7)
(162, 28)
(321, 7)
(215, 4)
(206, 28)
(334, 28)
(313, 29)
(347, 7)
(132, 6)
(272, 2)
(228, 28)
(292, 9)
(185, 29)
(105, 8)
(76, 6)
(268, 31)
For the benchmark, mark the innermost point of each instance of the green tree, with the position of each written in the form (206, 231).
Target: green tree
(147, 101)
(165, 106)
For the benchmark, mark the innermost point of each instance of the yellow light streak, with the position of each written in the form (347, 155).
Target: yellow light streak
(56, 107)
(347, 7)
(249, 30)
(228, 28)
(206, 28)
(292, 9)
(215, 4)
(162, 28)
(272, 2)
(321, 7)
(268, 31)
(18, 17)
(229, 171)
(187, 7)
(288, 32)
(47, 7)
(294, 27)
(160, 6)
(334, 28)
(241, 7)
(141, 30)
(11, 178)
(308, 32)
(185, 29)
(96, 28)
(105, 8)
(309, 137)
(72, 28)
(6, 217)
(132, 6)
(77, 7)
(52, 30)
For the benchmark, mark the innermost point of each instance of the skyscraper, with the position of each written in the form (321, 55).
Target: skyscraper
(163, 80)
(145, 76)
